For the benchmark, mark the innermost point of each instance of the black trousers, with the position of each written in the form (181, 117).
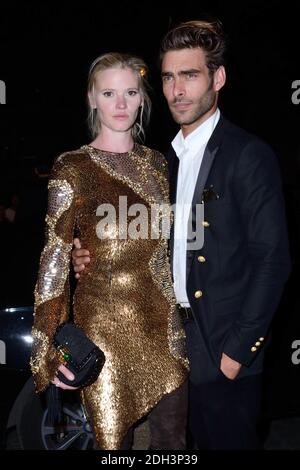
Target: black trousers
(223, 413)
(167, 422)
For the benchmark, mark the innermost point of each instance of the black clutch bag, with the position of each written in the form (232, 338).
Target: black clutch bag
(79, 354)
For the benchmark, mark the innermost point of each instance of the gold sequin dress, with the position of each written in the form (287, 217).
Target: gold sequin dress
(124, 299)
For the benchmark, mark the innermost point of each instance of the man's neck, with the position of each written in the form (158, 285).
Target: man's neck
(189, 128)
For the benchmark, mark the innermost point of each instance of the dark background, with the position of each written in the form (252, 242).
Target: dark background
(45, 53)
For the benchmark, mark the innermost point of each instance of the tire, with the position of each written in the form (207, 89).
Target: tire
(12, 441)
(33, 431)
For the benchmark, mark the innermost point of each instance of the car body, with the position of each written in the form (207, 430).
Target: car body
(23, 412)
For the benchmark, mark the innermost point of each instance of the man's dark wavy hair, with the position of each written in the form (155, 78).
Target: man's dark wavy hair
(207, 35)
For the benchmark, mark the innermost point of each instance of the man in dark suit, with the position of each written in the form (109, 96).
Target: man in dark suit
(228, 287)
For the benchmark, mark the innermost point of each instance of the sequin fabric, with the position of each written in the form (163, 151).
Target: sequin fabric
(124, 299)
(54, 265)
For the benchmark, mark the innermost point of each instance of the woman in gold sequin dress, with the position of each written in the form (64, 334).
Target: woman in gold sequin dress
(124, 300)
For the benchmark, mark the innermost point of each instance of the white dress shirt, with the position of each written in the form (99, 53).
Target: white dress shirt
(190, 151)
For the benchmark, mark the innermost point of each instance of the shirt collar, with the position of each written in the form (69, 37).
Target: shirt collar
(196, 139)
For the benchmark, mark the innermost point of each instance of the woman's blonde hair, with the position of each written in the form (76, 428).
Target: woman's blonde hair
(140, 69)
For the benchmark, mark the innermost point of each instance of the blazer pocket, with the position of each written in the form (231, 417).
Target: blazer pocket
(229, 305)
(215, 205)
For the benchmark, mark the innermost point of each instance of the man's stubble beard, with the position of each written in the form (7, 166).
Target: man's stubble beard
(205, 104)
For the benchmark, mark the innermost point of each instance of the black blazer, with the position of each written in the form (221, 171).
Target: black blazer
(245, 249)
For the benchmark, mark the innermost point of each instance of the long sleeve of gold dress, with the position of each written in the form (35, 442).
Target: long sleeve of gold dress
(124, 299)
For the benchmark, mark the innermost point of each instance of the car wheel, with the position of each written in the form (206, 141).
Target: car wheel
(73, 433)
(32, 429)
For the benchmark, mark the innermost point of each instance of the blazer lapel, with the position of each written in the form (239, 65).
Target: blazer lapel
(173, 165)
(206, 164)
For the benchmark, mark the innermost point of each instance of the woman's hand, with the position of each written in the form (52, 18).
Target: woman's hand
(68, 374)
